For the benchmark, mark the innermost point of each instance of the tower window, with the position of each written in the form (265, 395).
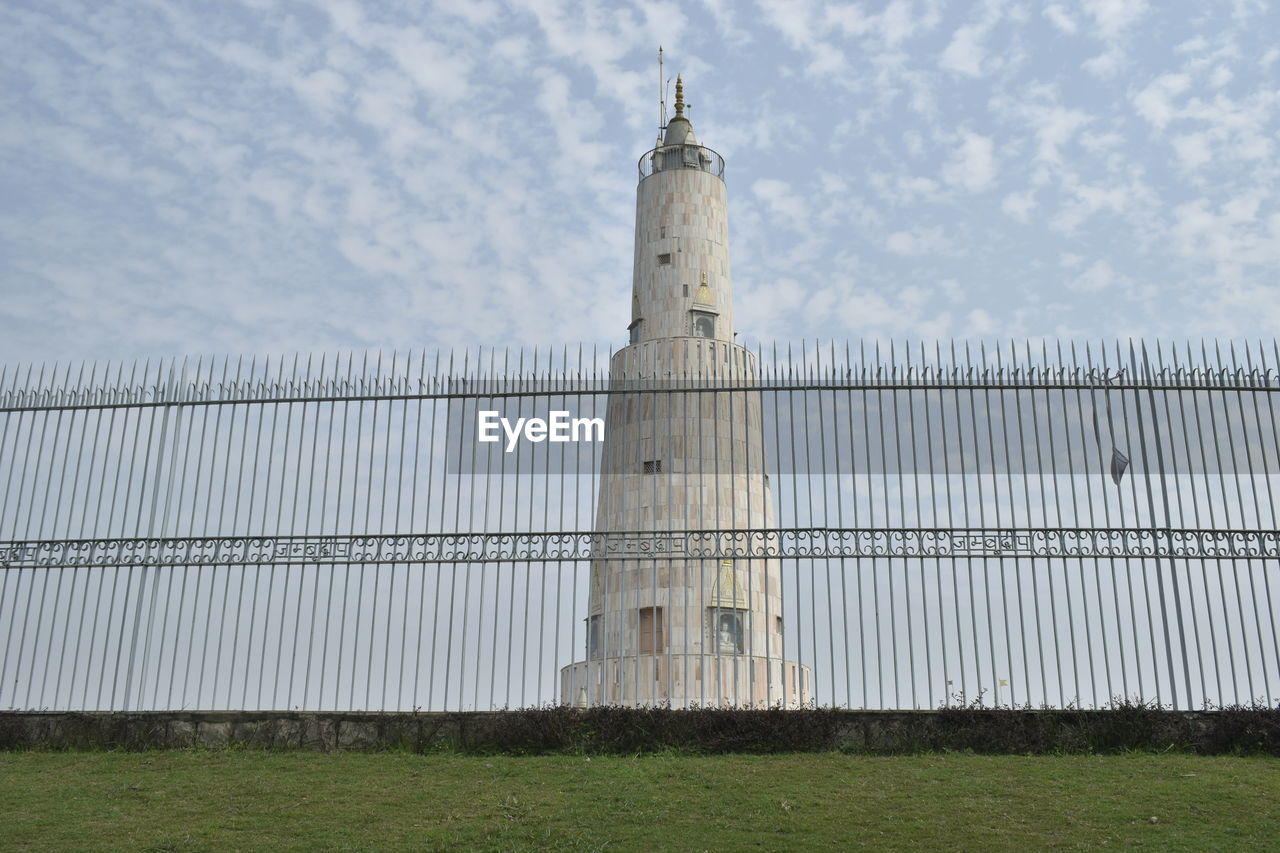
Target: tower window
(662, 232)
(664, 259)
(686, 289)
(653, 466)
(728, 631)
(652, 639)
(703, 325)
(593, 637)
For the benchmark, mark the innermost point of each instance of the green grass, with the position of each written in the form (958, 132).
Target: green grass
(221, 800)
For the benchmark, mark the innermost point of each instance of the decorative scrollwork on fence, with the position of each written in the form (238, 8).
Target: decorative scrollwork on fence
(788, 543)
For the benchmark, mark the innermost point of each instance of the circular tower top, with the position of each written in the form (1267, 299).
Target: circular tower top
(678, 148)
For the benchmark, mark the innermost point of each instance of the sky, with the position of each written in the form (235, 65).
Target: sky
(267, 176)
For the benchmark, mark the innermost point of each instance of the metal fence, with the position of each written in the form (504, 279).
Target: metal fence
(1008, 525)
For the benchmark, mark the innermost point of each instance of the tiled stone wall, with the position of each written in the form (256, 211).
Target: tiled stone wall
(683, 460)
(684, 214)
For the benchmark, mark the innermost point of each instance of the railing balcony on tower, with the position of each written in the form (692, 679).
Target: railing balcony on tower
(667, 157)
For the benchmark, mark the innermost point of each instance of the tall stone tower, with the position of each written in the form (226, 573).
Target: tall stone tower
(667, 629)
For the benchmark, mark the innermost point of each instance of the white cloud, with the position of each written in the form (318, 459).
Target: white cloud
(899, 21)
(1128, 198)
(916, 241)
(1097, 277)
(1193, 150)
(979, 323)
(1155, 102)
(1112, 20)
(1060, 18)
(1019, 205)
(965, 53)
(1233, 237)
(972, 167)
(823, 32)
(1105, 64)
(443, 74)
(900, 190)
(722, 11)
(1040, 109)
(781, 200)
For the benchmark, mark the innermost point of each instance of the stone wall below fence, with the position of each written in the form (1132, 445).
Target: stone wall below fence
(1246, 730)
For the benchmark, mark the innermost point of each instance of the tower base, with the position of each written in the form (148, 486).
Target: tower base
(687, 681)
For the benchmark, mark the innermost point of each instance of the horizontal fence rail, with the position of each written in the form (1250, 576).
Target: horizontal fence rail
(948, 523)
(671, 545)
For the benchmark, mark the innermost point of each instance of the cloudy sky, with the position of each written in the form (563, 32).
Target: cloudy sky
(263, 176)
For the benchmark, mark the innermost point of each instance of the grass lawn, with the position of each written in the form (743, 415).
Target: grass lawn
(222, 800)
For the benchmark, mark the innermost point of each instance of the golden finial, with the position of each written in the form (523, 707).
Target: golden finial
(679, 97)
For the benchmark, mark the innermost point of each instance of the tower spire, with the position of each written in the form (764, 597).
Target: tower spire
(679, 131)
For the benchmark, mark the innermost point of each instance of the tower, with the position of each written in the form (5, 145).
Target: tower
(668, 629)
